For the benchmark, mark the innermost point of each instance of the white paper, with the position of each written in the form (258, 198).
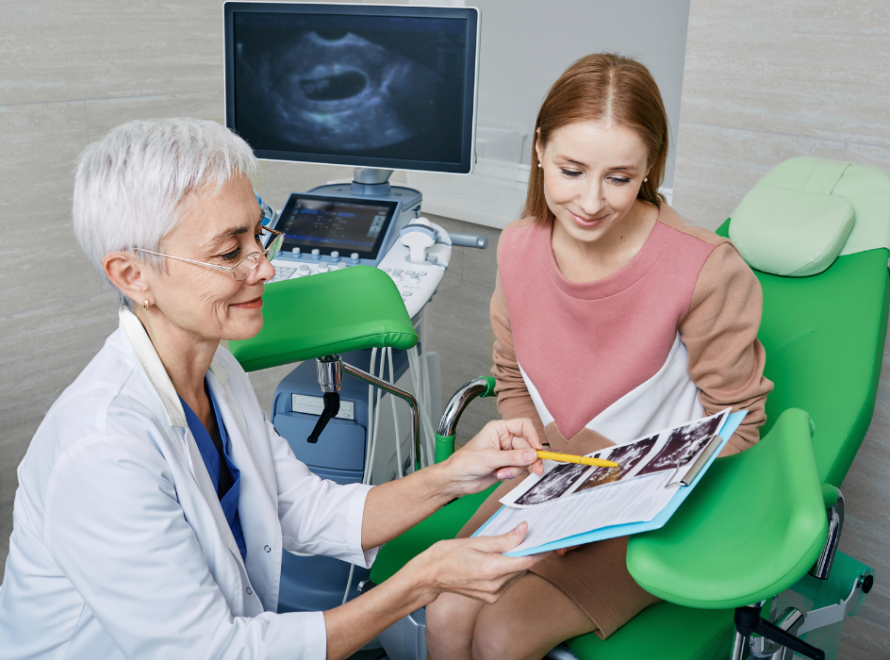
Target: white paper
(573, 499)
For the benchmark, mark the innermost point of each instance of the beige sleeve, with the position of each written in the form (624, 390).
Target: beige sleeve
(726, 359)
(513, 397)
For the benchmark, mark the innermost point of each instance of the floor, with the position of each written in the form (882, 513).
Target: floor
(376, 654)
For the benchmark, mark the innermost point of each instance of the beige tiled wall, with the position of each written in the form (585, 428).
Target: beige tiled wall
(70, 71)
(763, 82)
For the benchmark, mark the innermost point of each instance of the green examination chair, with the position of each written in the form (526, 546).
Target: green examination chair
(749, 566)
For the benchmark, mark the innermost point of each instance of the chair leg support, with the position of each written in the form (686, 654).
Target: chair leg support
(748, 622)
(739, 646)
(822, 568)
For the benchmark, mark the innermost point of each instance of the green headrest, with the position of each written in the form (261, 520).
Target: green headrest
(790, 232)
(326, 314)
(807, 211)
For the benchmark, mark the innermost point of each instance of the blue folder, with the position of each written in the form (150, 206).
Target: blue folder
(729, 427)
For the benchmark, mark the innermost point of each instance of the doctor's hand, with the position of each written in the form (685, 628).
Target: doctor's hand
(504, 449)
(472, 567)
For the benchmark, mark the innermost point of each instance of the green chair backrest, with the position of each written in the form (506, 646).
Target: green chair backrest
(824, 334)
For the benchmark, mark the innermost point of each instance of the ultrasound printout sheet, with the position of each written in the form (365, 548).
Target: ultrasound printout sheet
(572, 499)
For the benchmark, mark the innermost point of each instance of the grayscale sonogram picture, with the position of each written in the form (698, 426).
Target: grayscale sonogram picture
(553, 484)
(681, 440)
(343, 93)
(627, 457)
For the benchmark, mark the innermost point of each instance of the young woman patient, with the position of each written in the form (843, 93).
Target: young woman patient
(613, 318)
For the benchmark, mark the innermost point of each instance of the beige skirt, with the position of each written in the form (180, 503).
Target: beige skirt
(594, 575)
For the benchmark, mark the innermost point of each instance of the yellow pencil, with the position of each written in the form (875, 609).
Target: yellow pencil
(571, 458)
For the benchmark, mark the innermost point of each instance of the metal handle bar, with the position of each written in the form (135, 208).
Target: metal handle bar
(395, 391)
(468, 240)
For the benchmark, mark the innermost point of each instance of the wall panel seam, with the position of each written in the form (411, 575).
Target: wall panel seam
(112, 98)
(751, 130)
(103, 294)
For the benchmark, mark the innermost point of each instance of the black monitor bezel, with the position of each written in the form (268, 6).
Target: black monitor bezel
(372, 254)
(470, 14)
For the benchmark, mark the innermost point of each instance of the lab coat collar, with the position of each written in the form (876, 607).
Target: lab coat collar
(154, 368)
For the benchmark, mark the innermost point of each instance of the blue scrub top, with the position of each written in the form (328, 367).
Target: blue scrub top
(229, 499)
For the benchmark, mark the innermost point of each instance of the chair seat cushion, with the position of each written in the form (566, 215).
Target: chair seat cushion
(327, 314)
(664, 631)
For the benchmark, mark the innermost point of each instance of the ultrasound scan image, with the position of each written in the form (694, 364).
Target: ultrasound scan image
(342, 93)
(627, 457)
(331, 85)
(553, 484)
(674, 454)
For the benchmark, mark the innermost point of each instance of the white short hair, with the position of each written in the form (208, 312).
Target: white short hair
(129, 185)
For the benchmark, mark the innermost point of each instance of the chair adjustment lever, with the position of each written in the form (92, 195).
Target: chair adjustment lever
(748, 621)
(331, 408)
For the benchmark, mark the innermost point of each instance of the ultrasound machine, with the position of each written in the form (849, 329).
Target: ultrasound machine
(378, 88)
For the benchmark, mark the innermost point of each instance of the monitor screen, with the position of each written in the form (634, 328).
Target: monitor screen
(328, 223)
(369, 86)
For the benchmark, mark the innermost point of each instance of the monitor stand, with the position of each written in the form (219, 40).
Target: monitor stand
(370, 182)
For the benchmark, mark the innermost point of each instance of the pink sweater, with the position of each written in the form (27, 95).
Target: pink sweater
(669, 337)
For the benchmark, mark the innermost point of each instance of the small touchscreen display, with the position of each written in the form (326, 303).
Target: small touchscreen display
(332, 223)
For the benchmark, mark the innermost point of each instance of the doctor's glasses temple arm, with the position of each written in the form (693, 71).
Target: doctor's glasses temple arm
(243, 268)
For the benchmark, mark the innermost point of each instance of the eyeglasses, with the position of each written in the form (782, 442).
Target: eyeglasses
(242, 270)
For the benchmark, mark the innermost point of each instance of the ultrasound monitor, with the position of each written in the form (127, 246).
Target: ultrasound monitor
(389, 87)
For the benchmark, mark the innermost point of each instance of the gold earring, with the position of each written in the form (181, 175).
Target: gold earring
(145, 306)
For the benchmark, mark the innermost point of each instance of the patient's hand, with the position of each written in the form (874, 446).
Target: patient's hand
(562, 552)
(504, 449)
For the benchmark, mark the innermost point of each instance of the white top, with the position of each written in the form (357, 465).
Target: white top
(667, 399)
(120, 548)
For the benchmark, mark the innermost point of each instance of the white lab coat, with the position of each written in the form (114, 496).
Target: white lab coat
(120, 548)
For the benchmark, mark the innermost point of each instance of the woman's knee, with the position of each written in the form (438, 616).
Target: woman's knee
(528, 621)
(495, 637)
(450, 620)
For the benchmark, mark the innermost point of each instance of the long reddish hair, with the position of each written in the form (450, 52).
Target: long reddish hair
(597, 87)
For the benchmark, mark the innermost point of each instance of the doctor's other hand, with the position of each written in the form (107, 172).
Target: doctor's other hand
(473, 567)
(503, 449)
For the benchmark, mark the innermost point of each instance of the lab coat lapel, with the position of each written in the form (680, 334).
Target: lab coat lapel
(169, 399)
(205, 484)
(257, 505)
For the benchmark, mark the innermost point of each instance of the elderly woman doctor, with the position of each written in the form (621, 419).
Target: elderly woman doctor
(155, 499)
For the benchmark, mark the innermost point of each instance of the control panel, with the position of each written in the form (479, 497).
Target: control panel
(326, 232)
